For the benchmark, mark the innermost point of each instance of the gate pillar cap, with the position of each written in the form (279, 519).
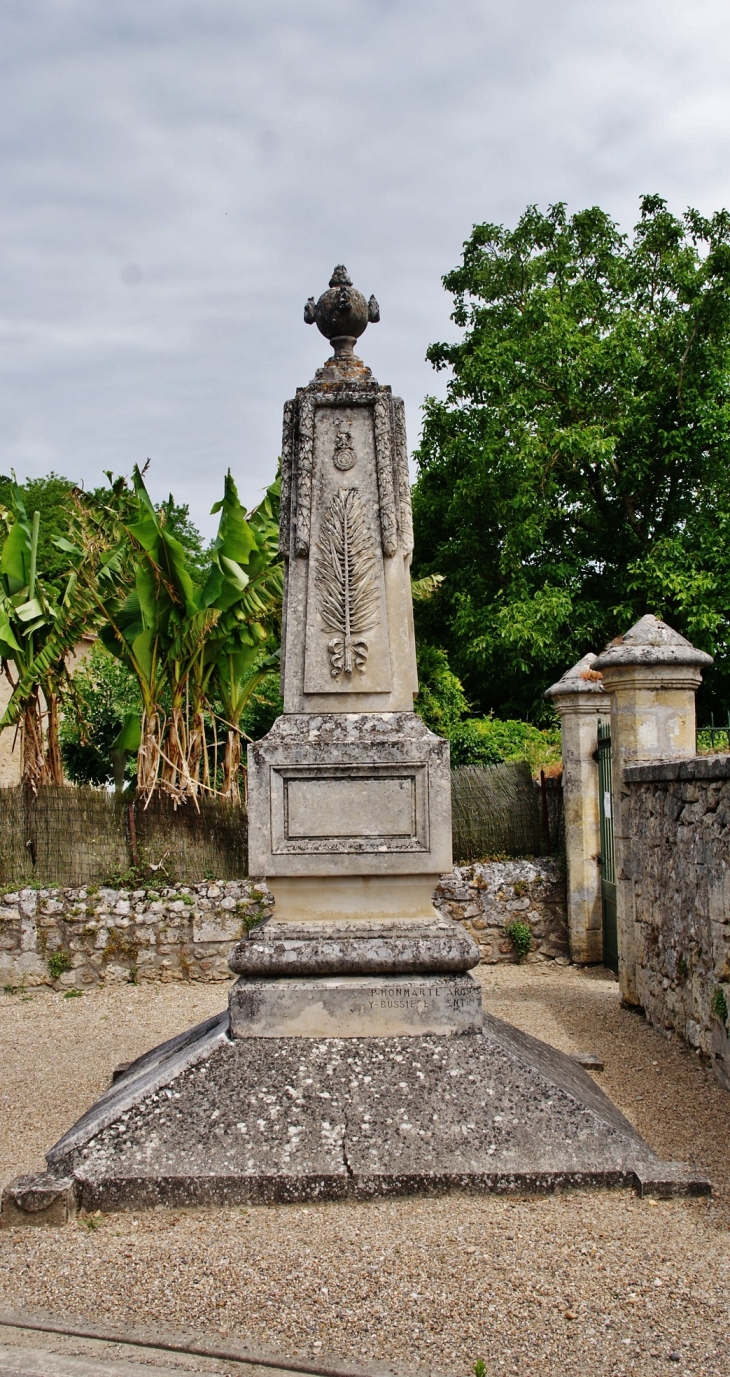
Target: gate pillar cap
(651, 642)
(583, 678)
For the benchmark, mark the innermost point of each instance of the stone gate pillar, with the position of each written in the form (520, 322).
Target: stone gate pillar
(652, 674)
(580, 699)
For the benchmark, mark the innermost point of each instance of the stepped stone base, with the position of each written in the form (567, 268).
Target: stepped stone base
(207, 1119)
(414, 946)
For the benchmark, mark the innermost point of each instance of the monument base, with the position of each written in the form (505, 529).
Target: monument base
(210, 1120)
(435, 946)
(355, 1006)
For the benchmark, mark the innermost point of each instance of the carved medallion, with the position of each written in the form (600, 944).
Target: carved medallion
(344, 456)
(346, 581)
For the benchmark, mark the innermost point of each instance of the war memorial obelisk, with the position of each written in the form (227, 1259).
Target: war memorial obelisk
(355, 1059)
(349, 795)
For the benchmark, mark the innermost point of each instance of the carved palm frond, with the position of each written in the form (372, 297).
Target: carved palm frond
(346, 578)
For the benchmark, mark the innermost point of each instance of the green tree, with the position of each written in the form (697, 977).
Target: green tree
(441, 700)
(175, 517)
(245, 643)
(48, 495)
(102, 694)
(184, 636)
(576, 475)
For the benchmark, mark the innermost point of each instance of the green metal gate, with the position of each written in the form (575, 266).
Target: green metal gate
(608, 862)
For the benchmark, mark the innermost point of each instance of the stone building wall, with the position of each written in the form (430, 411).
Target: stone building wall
(185, 933)
(678, 861)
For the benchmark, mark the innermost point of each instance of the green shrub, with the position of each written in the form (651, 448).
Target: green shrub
(441, 701)
(445, 708)
(520, 935)
(719, 1005)
(489, 741)
(58, 962)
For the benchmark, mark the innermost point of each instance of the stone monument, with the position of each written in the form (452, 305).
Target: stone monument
(349, 795)
(354, 1059)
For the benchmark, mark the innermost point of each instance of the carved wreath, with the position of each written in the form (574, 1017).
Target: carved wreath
(346, 581)
(344, 455)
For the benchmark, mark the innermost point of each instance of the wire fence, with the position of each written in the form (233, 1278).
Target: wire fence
(72, 836)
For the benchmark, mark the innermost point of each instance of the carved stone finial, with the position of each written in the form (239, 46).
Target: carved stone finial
(342, 313)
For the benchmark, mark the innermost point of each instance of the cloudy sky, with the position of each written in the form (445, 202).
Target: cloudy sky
(179, 176)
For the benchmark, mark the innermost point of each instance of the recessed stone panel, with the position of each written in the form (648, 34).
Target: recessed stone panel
(345, 808)
(366, 793)
(346, 643)
(351, 807)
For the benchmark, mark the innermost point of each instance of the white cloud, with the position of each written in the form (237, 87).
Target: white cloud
(233, 153)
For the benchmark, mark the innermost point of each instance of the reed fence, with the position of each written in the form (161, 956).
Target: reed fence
(73, 836)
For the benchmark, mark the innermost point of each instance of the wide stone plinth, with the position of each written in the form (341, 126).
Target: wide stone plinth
(355, 1006)
(206, 1119)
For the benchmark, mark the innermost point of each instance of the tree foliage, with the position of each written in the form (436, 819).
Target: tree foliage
(576, 475)
(102, 695)
(50, 496)
(193, 634)
(444, 707)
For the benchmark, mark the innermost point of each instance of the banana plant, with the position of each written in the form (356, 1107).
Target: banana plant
(174, 634)
(245, 584)
(37, 632)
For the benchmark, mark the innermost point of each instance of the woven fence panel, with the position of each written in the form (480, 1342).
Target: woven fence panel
(556, 816)
(190, 846)
(60, 836)
(494, 811)
(72, 836)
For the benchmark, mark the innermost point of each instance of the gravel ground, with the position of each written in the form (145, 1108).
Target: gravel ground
(596, 1283)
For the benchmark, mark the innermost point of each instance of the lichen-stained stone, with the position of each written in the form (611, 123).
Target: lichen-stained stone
(351, 1006)
(219, 927)
(154, 926)
(352, 948)
(40, 1198)
(349, 781)
(349, 794)
(215, 1121)
(678, 870)
(488, 895)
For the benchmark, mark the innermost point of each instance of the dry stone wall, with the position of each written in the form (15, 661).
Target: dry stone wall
(678, 863)
(489, 895)
(104, 935)
(78, 938)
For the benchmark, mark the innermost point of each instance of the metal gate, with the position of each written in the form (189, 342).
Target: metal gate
(607, 858)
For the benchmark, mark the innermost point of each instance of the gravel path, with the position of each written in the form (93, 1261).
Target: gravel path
(599, 1283)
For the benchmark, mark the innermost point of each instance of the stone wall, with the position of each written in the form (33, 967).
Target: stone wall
(104, 935)
(186, 933)
(489, 895)
(678, 863)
